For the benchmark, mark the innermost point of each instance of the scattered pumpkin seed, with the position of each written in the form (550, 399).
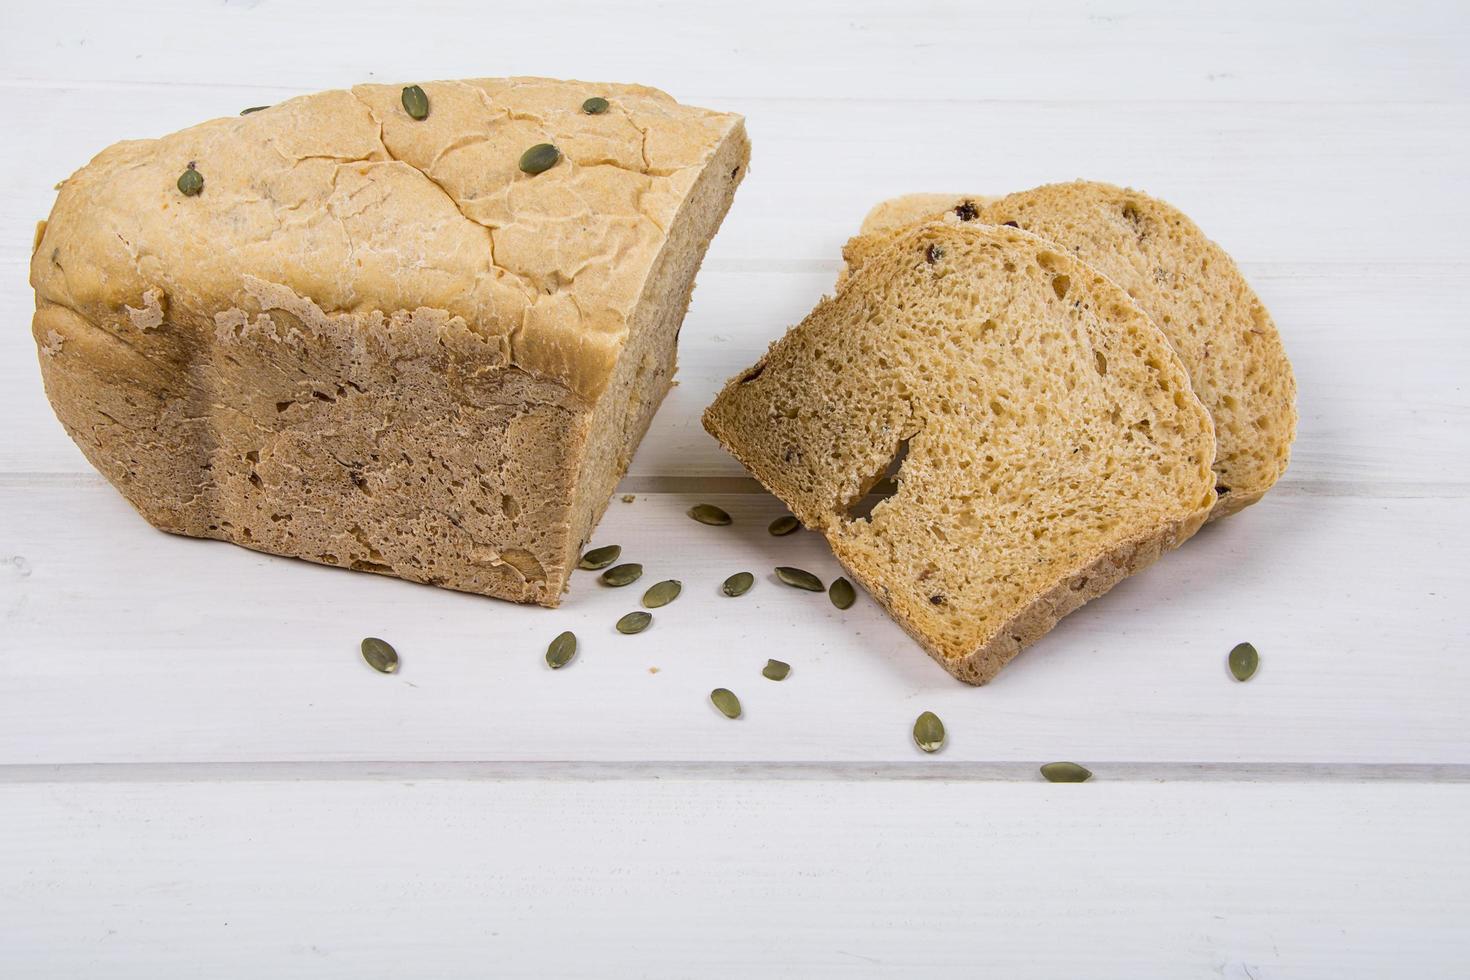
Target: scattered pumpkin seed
(415, 102)
(783, 526)
(254, 108)
(662, 594)
(595, 106)
(776, 670)
(600, 557)
(635, 622)
(726, 701)
(620, 575)
(800, 579)
(539, 159)
(709, 514)
(380, 655)
(561, 650)
(1065, 772)
(929, 732)
(738, 584)
(191, 181)
(841, 593)
(1243, 661)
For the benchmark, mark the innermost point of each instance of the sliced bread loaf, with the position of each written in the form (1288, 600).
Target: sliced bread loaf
(1050, 443)
(416, 332)
(1189, 286)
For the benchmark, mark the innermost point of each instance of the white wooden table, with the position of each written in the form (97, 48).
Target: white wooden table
(199, 777)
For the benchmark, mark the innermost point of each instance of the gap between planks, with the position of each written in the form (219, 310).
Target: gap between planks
(918, 771)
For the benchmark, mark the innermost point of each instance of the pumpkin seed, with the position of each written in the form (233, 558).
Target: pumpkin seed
(539, 159)
(595, 106)
(415, 102)
(600, 557)
(800, 579)
(709, 514)
(726, 701)
(635, 622)
(1243, 661)
(191, 182)
(380, 655)
(929, 732)
(783, 526)
(841, 593)
(776, 670)
(561, 650)
(620, 575)
(738, 584)
(254, 108)
(662, 594)
(1065, 772)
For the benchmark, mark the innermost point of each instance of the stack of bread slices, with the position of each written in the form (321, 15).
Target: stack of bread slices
(1056, 386)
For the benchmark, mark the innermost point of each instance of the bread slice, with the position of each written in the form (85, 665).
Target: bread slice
(1189, 286)
(1050, 443)
(374, 340)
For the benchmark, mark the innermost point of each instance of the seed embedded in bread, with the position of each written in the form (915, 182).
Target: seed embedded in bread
(1053, 444)
(1189, 286)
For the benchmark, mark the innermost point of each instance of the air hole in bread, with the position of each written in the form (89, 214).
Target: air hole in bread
(882, 486)
(1060, 285)
(753, 373)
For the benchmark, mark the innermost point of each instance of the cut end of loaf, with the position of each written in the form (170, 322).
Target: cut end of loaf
(1049, 439)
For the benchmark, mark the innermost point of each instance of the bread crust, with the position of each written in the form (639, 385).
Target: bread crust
(372, 341)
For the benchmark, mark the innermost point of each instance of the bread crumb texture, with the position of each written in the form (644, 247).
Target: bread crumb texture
(1191, 288)
(372, 341)
(1041, 436)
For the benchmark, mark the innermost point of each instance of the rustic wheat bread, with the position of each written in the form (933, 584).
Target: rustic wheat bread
(1187, 283)
(374, 341)
(1053, 444)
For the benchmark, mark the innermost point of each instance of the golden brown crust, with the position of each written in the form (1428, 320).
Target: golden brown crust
(372, 341)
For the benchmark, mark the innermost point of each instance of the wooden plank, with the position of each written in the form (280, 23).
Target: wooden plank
(713, 878)
(856, 50)
(125, 645)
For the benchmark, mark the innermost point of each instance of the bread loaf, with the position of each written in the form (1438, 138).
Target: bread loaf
(1189, 286)
(382, 340)
(1047, 439)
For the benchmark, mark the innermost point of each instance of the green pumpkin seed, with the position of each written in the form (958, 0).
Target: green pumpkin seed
(726, 701)
(415, 102)
(635, 622)
(783, 526)
(1065, 772)
(841, 593)
(539, 159)
(191, 182)
(738, 584)
(600, 557)
(380, 655)
(561, 650)
(1243, 661)
(800, 579)
(621, 575)
(254, 108)
(709, 514)
(595, 106)
(662, 594)
(776, 670)
(929, 732)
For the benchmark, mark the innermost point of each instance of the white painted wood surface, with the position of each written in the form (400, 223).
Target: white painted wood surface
(197, 775)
